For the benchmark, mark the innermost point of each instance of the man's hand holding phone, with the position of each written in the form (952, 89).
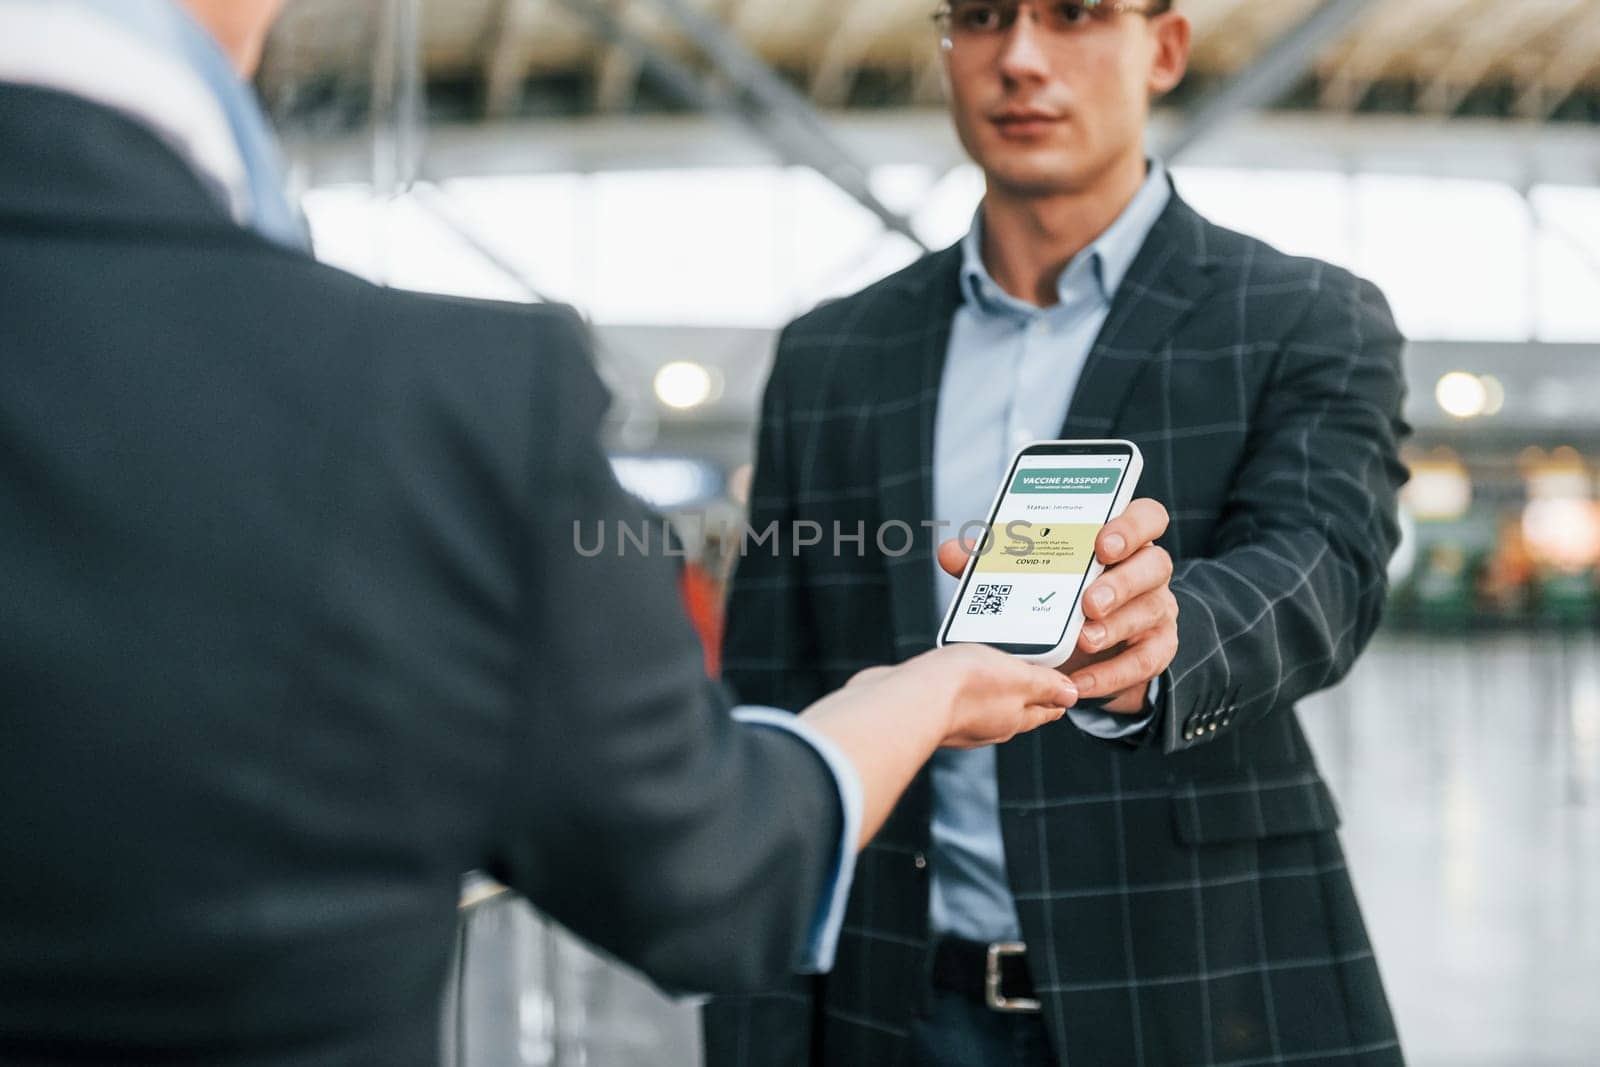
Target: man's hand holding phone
(1130, 634)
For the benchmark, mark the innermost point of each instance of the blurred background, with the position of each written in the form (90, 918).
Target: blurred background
(691, 174)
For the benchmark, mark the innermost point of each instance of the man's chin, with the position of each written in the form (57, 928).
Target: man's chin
(1041, 176)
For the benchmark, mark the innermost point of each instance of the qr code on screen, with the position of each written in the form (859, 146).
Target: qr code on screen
(988, 599)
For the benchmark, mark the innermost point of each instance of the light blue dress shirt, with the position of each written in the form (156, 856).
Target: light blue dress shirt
(169, 28)
(1009, 377)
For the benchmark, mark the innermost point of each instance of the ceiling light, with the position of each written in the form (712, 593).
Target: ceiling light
(1462, 395)
(683, 384)
(1494, 394)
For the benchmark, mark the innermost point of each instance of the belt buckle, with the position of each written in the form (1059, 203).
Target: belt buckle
(993, 995)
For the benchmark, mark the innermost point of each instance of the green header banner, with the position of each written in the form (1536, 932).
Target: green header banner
(1060, 481)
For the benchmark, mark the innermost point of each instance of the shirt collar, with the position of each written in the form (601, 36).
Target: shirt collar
(1103, 264)
(152, 61)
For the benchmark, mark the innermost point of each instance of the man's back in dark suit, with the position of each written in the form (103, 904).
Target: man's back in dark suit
(294, 635)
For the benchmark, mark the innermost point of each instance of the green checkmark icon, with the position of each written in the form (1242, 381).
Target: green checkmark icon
(1045, 599)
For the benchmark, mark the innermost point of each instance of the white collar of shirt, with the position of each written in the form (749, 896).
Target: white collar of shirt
(1106, 260)
(70, 49)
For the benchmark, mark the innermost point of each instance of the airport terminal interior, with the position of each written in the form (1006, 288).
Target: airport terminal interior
(692, 174)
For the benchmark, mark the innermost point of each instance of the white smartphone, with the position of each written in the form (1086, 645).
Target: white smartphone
(1022, 591)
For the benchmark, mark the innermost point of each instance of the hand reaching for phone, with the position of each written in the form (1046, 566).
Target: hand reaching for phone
(889, 720)
(987, 696)
(1130, 633)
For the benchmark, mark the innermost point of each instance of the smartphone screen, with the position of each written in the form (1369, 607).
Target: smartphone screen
(1033, 564)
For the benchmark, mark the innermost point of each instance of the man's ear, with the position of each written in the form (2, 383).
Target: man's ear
(1171, 32)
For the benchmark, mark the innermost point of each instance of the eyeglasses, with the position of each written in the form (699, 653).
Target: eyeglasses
(981, 19)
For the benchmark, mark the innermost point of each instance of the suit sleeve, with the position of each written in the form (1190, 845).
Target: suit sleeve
(1296, 579)
(636, 811)
(767, 658)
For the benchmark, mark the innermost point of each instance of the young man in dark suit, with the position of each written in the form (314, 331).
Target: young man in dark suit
(296, 631)
(1156, 880)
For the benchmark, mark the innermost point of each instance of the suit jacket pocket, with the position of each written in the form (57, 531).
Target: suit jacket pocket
(1251, 806)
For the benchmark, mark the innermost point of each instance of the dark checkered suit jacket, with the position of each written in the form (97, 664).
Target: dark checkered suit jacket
(1185, 899)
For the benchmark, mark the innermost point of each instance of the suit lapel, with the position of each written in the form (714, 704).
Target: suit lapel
(1168, 278)
(909, 370)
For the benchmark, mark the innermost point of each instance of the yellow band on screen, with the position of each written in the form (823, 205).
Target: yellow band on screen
(1046, 548)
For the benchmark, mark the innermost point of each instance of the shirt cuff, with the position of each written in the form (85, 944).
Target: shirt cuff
(823, 941)
(1110, 726)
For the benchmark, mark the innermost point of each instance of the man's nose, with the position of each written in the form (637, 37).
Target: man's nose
(1023, 57)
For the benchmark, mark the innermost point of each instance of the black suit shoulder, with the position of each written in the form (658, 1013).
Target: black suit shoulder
(827, 352)
(881, 307)
(1262, 270)
(891, 291)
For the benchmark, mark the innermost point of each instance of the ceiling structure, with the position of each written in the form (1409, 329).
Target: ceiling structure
(1503, 89)
(1529, 59)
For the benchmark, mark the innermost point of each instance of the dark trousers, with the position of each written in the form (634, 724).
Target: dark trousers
(957, 1031)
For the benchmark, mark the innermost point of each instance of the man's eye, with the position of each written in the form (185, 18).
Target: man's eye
(978, 17)
(1071, 14)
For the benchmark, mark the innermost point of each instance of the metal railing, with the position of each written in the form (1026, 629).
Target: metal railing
(523, 992)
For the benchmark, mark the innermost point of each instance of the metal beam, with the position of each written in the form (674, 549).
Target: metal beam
(616, 71)
(1492, 36)
(743, 69)
(428, 197)
(399, 112)
(1394, 31)
(753, 18)
(1561, 74)
(795, 144)
(788, 118)
(846, 45)
(1499, 150)
(1266, 80)
(505, 63)
(676, 76)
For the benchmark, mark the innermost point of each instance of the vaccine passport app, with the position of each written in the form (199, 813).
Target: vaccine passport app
(1040, 545)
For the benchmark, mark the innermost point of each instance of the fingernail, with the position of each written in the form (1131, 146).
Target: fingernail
(1114, 544)
(1069, 694)
(1101, 597)
(1095, 633)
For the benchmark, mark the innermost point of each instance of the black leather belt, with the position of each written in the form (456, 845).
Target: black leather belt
(994, 974)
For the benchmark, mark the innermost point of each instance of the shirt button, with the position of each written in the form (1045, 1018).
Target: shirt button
(1039, 328)
(919, 861)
